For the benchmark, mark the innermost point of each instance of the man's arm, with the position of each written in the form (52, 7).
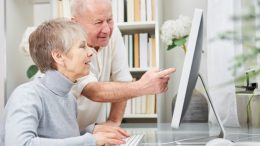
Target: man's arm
(152, 82)
(116, 114)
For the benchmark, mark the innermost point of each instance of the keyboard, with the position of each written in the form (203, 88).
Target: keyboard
(133, 140)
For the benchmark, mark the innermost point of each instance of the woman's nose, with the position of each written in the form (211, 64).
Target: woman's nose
(89, 52)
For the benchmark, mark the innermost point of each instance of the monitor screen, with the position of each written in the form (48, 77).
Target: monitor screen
(190, 70)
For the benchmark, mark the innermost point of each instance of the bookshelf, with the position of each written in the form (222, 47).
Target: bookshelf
(140, 116)
(146, 24)
(132, 27)
(137, 70)
(40, 1)
(32, 2)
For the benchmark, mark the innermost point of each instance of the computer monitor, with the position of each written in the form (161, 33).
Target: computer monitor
(190, 72)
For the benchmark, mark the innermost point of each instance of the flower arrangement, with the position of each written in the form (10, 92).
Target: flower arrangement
(174, 33)
(24, 47)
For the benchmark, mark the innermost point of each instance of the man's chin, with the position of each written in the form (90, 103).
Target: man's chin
(103, 41)
(103, 44)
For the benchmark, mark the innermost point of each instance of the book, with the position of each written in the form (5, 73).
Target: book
(126, 42)
(66, 8)
(130, 50)
(114, 10)
(128, 109)
(149, 10)
(120, 11)
(153, 59)
(130, 10)
(60, 9)
(150, 104)
(137, 15)
(143, 10)
(143, 47)
(153, 10)
(136, 51)
(143, 105)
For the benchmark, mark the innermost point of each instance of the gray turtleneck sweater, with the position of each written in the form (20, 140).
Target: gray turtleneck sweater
(43, 113)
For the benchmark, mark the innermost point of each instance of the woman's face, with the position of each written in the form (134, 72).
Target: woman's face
(77, 60)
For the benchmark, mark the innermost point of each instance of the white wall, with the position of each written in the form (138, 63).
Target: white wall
(2, 54)
(39, 16)
(175, 58)
(19, 16)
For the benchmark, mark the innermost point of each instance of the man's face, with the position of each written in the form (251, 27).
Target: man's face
(98, 23)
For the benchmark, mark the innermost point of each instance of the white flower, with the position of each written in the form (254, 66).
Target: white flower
(24, 45)
(175, 29)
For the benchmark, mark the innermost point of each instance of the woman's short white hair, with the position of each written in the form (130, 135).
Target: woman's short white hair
(56, 34)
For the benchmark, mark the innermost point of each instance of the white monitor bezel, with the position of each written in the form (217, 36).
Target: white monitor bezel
(178, 108)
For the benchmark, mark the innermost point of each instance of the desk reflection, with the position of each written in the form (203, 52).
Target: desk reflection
(164, 135)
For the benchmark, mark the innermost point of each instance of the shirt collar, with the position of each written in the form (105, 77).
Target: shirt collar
(57, 83)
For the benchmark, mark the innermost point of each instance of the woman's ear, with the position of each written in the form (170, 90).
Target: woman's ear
(58, 57)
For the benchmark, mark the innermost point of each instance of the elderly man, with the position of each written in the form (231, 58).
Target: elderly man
(110, 80)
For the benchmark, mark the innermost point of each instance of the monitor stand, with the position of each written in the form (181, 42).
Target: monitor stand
(222, 133)
(204, 140)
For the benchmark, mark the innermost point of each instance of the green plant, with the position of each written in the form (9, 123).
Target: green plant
(248, 38)
(31, 71)
(178, 42)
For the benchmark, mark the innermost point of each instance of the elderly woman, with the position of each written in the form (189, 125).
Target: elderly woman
(43, 112)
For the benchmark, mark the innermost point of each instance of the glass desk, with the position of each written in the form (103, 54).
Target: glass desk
(164, 135)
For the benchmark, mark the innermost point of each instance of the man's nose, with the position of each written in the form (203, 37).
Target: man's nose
(106, 28)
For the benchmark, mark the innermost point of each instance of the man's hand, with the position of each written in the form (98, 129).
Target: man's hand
(155, 81)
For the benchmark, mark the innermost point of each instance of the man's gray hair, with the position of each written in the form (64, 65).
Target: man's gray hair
(78, 7)
(57, 34)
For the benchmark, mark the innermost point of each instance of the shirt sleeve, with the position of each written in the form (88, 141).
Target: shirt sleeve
(88, 129)
(81, 83)
(23, 113)
(120, 69)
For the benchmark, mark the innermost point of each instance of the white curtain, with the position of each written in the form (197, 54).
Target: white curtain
(220, 55)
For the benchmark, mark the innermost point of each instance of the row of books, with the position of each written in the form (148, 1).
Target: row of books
(133, 10)
(123, 10)
(141, 105)
(141, 50)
